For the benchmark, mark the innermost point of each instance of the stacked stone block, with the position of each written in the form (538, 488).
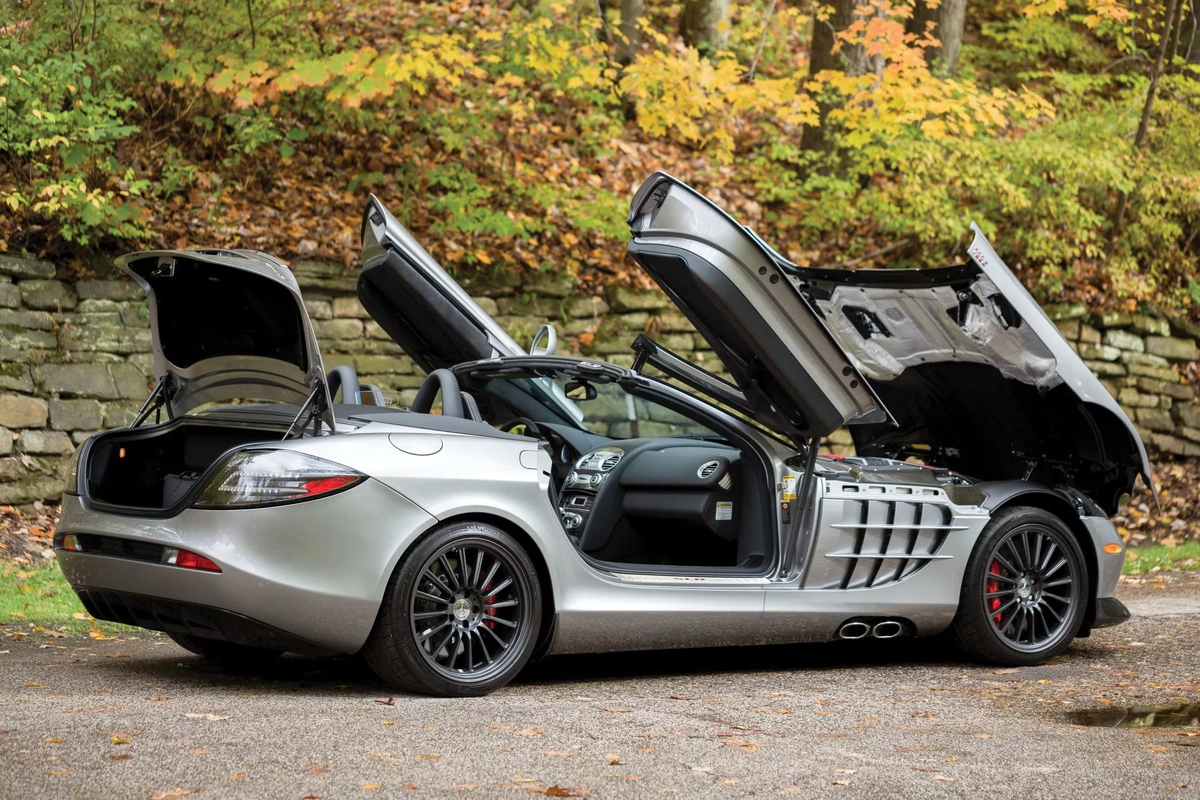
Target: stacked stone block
(1142, 361)
(75, 355)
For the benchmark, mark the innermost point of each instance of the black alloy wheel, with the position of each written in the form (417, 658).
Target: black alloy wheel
(467, 610)
(461, 614)
(1025, 590)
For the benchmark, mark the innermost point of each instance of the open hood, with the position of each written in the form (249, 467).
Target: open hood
(957, 366)
(977, 377)
(228, 325)
(421, 307)
(792, 373)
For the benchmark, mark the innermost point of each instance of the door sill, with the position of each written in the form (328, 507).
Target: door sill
(686, 576)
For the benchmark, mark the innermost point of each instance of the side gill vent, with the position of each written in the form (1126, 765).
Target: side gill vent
(609, 461)
(867, 543)
(726, 482)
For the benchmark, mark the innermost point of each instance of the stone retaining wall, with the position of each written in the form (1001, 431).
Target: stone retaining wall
(75, 355)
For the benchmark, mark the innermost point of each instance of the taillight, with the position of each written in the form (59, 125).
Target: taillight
(254, 478)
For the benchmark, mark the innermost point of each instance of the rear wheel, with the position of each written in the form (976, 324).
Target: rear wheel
(227, 652)
(1024, 592)
(460, 615)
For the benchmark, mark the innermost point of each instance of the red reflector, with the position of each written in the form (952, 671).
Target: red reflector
(190, 560)
(323, 485)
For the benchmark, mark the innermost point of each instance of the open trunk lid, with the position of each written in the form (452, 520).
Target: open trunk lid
(228, 325)
(793, 374)
(977, 377)
(421, 307)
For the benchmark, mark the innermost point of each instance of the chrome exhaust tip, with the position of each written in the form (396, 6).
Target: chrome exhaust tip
(854, 630)
(888, 629)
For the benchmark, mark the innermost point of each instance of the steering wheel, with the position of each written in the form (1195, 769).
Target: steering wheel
(443, 382)
(531, 428)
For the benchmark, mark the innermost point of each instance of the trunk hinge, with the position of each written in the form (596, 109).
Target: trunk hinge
(314, 410)
(156, 402)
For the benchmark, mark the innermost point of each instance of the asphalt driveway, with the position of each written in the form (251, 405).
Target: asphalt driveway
(141, 718)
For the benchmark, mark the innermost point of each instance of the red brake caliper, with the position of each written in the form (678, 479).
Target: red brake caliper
(491, 612)
(993, 585)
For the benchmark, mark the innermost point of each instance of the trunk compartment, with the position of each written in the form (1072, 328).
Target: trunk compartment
(157, 468)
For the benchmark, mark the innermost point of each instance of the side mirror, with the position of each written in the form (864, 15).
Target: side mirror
(550, 335)
(580, 390)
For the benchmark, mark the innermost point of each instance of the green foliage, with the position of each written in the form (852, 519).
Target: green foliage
(506, 134)
(62, 116)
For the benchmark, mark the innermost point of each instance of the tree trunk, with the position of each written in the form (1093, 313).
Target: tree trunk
(1189, 41)
(853, 60)
(631, 35)
(948, 20)
(1139, 139)
(700, 27)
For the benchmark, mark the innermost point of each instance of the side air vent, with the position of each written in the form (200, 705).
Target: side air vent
(864, 543)
(707, 469)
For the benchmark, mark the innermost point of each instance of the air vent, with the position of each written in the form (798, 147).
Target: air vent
(708, 469)
(609, 461)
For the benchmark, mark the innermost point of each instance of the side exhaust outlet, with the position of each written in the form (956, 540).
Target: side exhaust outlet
(854, 630)
(888, 629)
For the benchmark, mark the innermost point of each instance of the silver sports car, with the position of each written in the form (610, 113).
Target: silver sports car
(560, 505)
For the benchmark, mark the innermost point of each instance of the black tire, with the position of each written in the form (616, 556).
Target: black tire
(225, 652)
(482, 628)
(1026, 574)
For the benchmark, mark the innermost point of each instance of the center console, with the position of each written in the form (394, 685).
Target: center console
(583, 482)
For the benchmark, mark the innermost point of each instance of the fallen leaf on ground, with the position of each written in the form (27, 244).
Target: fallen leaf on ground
(209, 717)
(428, 757)
(558, 753)
(372, 787)
(391, 701)
(121, 756)
(157, 698)
(120, 740)
(172, 793)
(614, 710)
(531, 732)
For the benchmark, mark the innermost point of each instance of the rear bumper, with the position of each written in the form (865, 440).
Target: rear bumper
(172, 616)
(1109, 612)
(314, 571)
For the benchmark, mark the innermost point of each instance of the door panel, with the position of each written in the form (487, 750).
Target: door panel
(792, 372)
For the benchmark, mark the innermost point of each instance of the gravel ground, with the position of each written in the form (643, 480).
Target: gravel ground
(141, 718)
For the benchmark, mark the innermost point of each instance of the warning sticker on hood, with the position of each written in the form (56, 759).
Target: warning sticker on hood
(724, 511)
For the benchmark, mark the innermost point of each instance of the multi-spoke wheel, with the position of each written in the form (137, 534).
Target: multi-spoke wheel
(1025, 589)
(460, 616)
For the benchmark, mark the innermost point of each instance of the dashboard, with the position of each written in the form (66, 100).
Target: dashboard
(636, 476)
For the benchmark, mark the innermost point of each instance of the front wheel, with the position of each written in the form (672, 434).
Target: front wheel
(1024, 592)
(460, 615)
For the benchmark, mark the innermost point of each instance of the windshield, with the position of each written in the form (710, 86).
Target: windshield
(599, 407)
